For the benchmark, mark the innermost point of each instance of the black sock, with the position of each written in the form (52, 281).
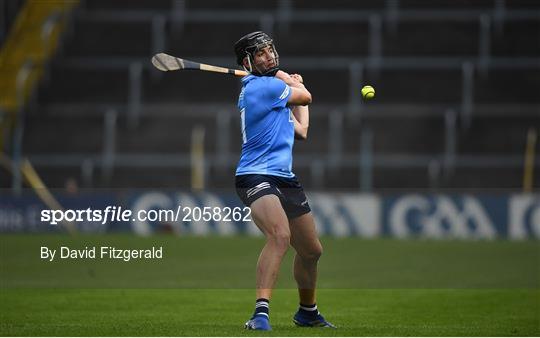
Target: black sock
(310, 310)
(262, 307)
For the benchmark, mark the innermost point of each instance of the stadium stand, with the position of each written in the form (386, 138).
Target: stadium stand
(457, 89)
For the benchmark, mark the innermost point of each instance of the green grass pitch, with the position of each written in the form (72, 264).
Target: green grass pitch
(203, 287)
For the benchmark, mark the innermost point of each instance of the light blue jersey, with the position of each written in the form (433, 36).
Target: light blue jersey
(267, 127)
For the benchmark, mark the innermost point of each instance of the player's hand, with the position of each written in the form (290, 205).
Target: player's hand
(294, 80)
(297, 77)
(283, 76)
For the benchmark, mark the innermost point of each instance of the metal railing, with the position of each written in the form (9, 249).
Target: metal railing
(280, 19)
(356, 66)
(364, 162)
(436, 165)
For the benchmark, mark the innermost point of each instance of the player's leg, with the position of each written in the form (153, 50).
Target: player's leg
(305, 241)
(260, 193)
(304, 238)
(269, 216)
(308, 248)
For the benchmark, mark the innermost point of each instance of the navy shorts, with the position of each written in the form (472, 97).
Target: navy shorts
(291, 194)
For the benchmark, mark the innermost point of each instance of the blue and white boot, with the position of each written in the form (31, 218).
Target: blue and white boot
(307, 320)
(259, 322)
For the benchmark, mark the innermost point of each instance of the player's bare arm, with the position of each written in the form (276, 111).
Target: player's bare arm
(300, 96)
(300, 116)
(299, 100)
(301, 122)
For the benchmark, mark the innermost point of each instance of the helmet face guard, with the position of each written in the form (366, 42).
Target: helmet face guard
(248, 46)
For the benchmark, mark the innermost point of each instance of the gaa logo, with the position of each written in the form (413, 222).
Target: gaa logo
(441, 217)
(524, 216)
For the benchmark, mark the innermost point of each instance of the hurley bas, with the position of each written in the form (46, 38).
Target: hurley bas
(103, 252)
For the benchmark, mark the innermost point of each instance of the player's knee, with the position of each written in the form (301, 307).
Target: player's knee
(317, 253)
(281, 239)
(313, 254)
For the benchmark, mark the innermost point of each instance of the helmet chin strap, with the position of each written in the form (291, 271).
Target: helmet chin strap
(269, 72)
(272, 71)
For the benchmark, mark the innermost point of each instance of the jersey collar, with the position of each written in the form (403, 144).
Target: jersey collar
(248, 78)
